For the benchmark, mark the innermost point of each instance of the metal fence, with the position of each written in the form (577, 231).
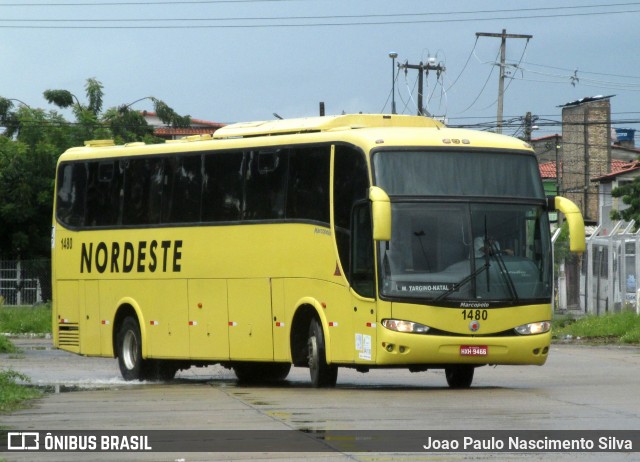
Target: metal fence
(610, 271)
(25, 282)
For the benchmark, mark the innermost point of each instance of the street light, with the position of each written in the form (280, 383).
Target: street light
(393, 55)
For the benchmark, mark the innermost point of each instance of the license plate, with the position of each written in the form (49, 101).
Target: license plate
(473, 350)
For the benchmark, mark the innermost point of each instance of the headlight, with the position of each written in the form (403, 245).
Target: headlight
(534, 328)
(405, 326)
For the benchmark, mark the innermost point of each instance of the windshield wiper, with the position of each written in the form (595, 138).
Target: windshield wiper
(504, 271)
(458, 285)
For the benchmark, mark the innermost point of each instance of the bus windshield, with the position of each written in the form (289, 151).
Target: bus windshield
(486, 241)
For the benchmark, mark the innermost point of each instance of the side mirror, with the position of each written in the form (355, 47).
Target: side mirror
(381, 214)
(576, 223)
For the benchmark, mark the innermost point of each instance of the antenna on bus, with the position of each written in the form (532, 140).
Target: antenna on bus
(321, 108)
(277, 116)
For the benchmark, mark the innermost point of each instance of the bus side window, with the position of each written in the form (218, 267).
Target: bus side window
(222, 186)
(182, 192)
(141, 192)
(362, 256)
(308, 189)
(72, 184)
(350, 184)
(265, 185)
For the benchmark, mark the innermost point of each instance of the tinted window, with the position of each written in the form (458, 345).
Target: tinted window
(182, 192)
(265, 185)
(72, 183)
(103, 193)
(429, 173)
(350, 184)
(142, 191)
(222, 186)
(362, 273)
(308, 190)
(274, 184)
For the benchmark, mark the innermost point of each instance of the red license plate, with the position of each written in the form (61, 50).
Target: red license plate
(473, 350)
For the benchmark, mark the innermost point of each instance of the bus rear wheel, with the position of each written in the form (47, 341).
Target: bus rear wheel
(459, 376)
(129, 350)
(322, 374)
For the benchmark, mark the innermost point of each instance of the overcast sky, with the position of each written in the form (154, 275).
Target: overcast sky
(239, 60)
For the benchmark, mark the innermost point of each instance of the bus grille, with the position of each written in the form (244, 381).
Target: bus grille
(68, 334)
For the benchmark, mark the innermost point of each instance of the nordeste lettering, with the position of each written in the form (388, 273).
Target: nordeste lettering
(126, 257)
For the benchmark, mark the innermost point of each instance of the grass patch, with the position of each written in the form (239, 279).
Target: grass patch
(14, 389)
(12, 394)
(6, 346)
(611, 328)
(25, 319)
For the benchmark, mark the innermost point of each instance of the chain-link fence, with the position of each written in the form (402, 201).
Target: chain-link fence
(25, 282)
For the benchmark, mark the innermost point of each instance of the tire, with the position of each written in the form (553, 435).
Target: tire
(459, 376)
(323, 375)
(129, 349)
(255, 372)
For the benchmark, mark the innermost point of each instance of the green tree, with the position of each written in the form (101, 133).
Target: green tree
(30, 145)
(630, 194)
(123, 124)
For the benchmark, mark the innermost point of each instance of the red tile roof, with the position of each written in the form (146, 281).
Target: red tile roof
(548, 169)
(193, 121)
(620, 167)
(170, 131)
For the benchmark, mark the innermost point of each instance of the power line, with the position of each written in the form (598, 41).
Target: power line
(95, 22)
(165, 3)
(201, 2)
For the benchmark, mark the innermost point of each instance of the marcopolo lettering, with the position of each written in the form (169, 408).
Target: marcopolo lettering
(126, 257)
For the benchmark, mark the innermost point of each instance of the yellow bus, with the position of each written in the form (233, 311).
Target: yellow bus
(360, 241)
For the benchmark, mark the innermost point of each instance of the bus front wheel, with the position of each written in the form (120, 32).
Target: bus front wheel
(129, 349)
(322, 374)
(459, 376)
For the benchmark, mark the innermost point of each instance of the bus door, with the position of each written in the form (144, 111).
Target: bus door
(250, 326)
(363, 284)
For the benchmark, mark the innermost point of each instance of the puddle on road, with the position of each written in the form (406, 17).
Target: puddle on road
(62, 388)
(36, 348)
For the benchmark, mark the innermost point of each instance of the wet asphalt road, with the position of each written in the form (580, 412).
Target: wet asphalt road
(579, 388)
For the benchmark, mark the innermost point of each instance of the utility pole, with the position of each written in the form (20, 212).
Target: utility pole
(430, 66)
(528, 126)
(503, 51)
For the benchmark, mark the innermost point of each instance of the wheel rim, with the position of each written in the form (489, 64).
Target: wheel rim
(129, 348)
(313, 354)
